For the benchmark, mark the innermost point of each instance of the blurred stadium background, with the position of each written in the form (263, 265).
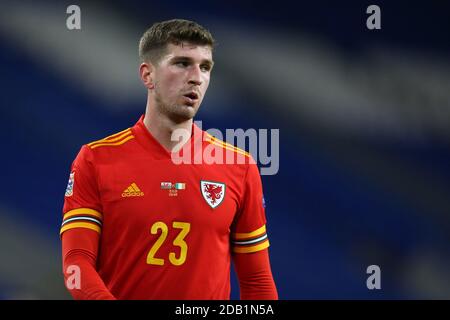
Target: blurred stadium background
(364, 119)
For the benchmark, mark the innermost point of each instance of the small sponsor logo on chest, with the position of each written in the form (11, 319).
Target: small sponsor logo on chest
(132, 191)
(173, 188)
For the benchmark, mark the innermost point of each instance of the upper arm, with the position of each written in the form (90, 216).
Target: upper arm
(248, 232)
(82, 204)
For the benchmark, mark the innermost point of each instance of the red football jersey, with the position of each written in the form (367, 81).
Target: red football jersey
(166, 230)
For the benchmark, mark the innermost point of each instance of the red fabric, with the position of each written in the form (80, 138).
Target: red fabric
(151, 236)
(255, 276)
(79, 248)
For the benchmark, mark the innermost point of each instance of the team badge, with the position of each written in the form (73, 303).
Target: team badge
(213, 192)
(69, 189)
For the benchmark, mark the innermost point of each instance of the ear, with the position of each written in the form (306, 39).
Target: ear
(146, 71)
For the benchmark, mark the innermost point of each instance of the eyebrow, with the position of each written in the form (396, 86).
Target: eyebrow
(184, 58)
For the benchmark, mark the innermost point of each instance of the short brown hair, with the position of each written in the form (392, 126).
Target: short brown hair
(155, 40)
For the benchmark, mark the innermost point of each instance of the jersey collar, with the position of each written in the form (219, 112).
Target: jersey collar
(146, 139)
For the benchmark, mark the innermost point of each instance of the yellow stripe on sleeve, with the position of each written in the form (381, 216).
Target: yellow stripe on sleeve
(256, 248)
(229, 148)
(105, 143)
(78, 211)
(113, 137)
(80, 225)
(220, 143)
(214, 139)
(118, 138)
(255, 233)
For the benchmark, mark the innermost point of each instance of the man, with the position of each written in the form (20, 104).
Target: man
(136, 224)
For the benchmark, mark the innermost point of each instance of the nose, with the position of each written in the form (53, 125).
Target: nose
(195, 76)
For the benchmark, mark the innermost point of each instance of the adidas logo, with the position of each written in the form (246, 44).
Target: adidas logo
(132, 191)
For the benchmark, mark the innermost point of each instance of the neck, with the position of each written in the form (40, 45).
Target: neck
(162, 127)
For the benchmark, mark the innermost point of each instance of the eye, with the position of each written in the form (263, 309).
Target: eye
(205, 67)
(182, 64)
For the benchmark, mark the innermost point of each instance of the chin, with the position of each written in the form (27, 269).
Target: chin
(184, 113)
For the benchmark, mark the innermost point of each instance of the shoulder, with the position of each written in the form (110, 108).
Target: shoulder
(231, 154)
(233, 158)
(110, 146)
(114, 140)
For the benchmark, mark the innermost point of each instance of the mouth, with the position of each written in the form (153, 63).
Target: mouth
(191, 95)
(191, 98)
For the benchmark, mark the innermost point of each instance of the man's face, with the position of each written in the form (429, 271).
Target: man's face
(181, 78)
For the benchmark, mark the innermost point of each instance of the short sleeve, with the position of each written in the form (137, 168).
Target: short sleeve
(82, 205)
(248, 233)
